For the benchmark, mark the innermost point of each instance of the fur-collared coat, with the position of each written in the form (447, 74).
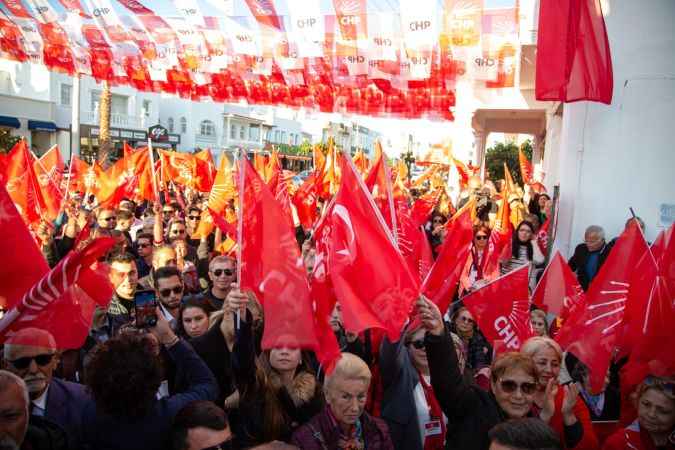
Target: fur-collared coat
(261, 395)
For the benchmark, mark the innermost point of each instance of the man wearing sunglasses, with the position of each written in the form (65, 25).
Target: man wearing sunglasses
(169, 291)
(222, 273)
(106, 219)
(31, 355)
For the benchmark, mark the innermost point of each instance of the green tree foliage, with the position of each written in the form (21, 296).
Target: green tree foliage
(7, 141)
(501, 153)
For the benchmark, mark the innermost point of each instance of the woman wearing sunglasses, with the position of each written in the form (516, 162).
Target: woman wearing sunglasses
(474, 346)
(654, 428)
(409, 405)
(471, 410)
(476, 270)
(559, 406)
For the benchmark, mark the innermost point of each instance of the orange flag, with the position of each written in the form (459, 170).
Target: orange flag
(328, 180)
(178, 167)
(510, 185)
(22, 184)
(49, 172)
(129, 177)
(361, 162)
(222, 191)
(127, 150)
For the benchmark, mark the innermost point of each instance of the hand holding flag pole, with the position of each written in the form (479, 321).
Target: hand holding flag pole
(240, 222)
(152, 169)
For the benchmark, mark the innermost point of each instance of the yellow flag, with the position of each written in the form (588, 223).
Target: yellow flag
(223, 190)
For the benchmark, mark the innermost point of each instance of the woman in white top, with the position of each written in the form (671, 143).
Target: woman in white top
(524, 250)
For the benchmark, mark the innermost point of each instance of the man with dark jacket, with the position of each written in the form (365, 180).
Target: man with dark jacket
(124, 411)
(590, 256)
(31, 355)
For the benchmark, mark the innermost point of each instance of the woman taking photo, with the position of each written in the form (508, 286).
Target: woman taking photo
(559, 406)
(654, 428)
(471, 410)
(343, 423)
(476, 272)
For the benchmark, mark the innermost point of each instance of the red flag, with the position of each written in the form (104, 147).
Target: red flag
(305, 203)
(205, 170)
(441, 282)
(542, 236)
(127, 150)
(421, 209)
(371, 295)
(378, 182)
(75, 5)
(28, 263)
(573, 57)
(230, 229)
(22, 184)
(273, 268)
(82, 177)
(265, 13)
(502, 308)
(591, 332)
(17, 9)
(60, 301)
(49, 174)
(558, 291)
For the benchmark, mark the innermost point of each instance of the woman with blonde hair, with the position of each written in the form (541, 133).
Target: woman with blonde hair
(343, 423)
(539, 322)
(559, 406)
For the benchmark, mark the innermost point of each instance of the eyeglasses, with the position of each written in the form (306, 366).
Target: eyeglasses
(227, 272)
(418, 344)
(481, 237)
(510, 386)
(40, 360)
(166, 292)
(465, 319)
(668, 387)
(194, 217)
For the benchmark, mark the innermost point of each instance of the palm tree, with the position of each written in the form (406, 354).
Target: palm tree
(104, 142)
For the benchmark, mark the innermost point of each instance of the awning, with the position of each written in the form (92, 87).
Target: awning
(7, 121)
(38, 125)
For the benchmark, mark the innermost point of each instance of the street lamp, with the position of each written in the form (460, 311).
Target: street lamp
(409, 160)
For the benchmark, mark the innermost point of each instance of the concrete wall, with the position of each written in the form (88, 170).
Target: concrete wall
(621, 155)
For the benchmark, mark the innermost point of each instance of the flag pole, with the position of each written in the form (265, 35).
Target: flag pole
(152, 170)
(240, 224)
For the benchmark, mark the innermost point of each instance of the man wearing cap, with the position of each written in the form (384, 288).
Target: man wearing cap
(31, 354)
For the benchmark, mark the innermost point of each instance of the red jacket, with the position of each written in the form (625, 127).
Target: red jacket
(632, 438)
(589, 441)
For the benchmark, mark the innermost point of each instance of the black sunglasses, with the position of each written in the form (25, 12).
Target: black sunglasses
(167, 292)
(481, 237)
(227, 272)
(167, 212)
(194, 217)
(510, 386)
(108, 219)
(418, 344)
(174, 231)
(40, 360)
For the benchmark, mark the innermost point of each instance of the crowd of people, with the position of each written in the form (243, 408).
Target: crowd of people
(191, 374)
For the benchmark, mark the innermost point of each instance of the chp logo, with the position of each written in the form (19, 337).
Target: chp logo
(158, 134)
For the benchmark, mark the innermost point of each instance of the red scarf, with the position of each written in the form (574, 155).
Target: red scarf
(436, 442)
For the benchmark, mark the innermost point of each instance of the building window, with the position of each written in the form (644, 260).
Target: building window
(276, 135)
(170, 124)
(183, 125)
(207, 128)
(242, 131)
(283, 137)
(254, 133)
(95, 100)
(66, 94)
(233, 131)
(146, 108)
(295, 141)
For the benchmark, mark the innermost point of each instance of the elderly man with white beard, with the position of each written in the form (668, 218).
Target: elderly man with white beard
(31, 354)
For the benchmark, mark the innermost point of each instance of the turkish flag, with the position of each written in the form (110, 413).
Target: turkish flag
(372, 295)
(22, 184)
(558, 291)
(502, 308)
(573, 57)
(591, 333)
(271, 267)
(49, 170)
(441, 282)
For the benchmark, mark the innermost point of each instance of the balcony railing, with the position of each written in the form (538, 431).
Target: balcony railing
(116, 120)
